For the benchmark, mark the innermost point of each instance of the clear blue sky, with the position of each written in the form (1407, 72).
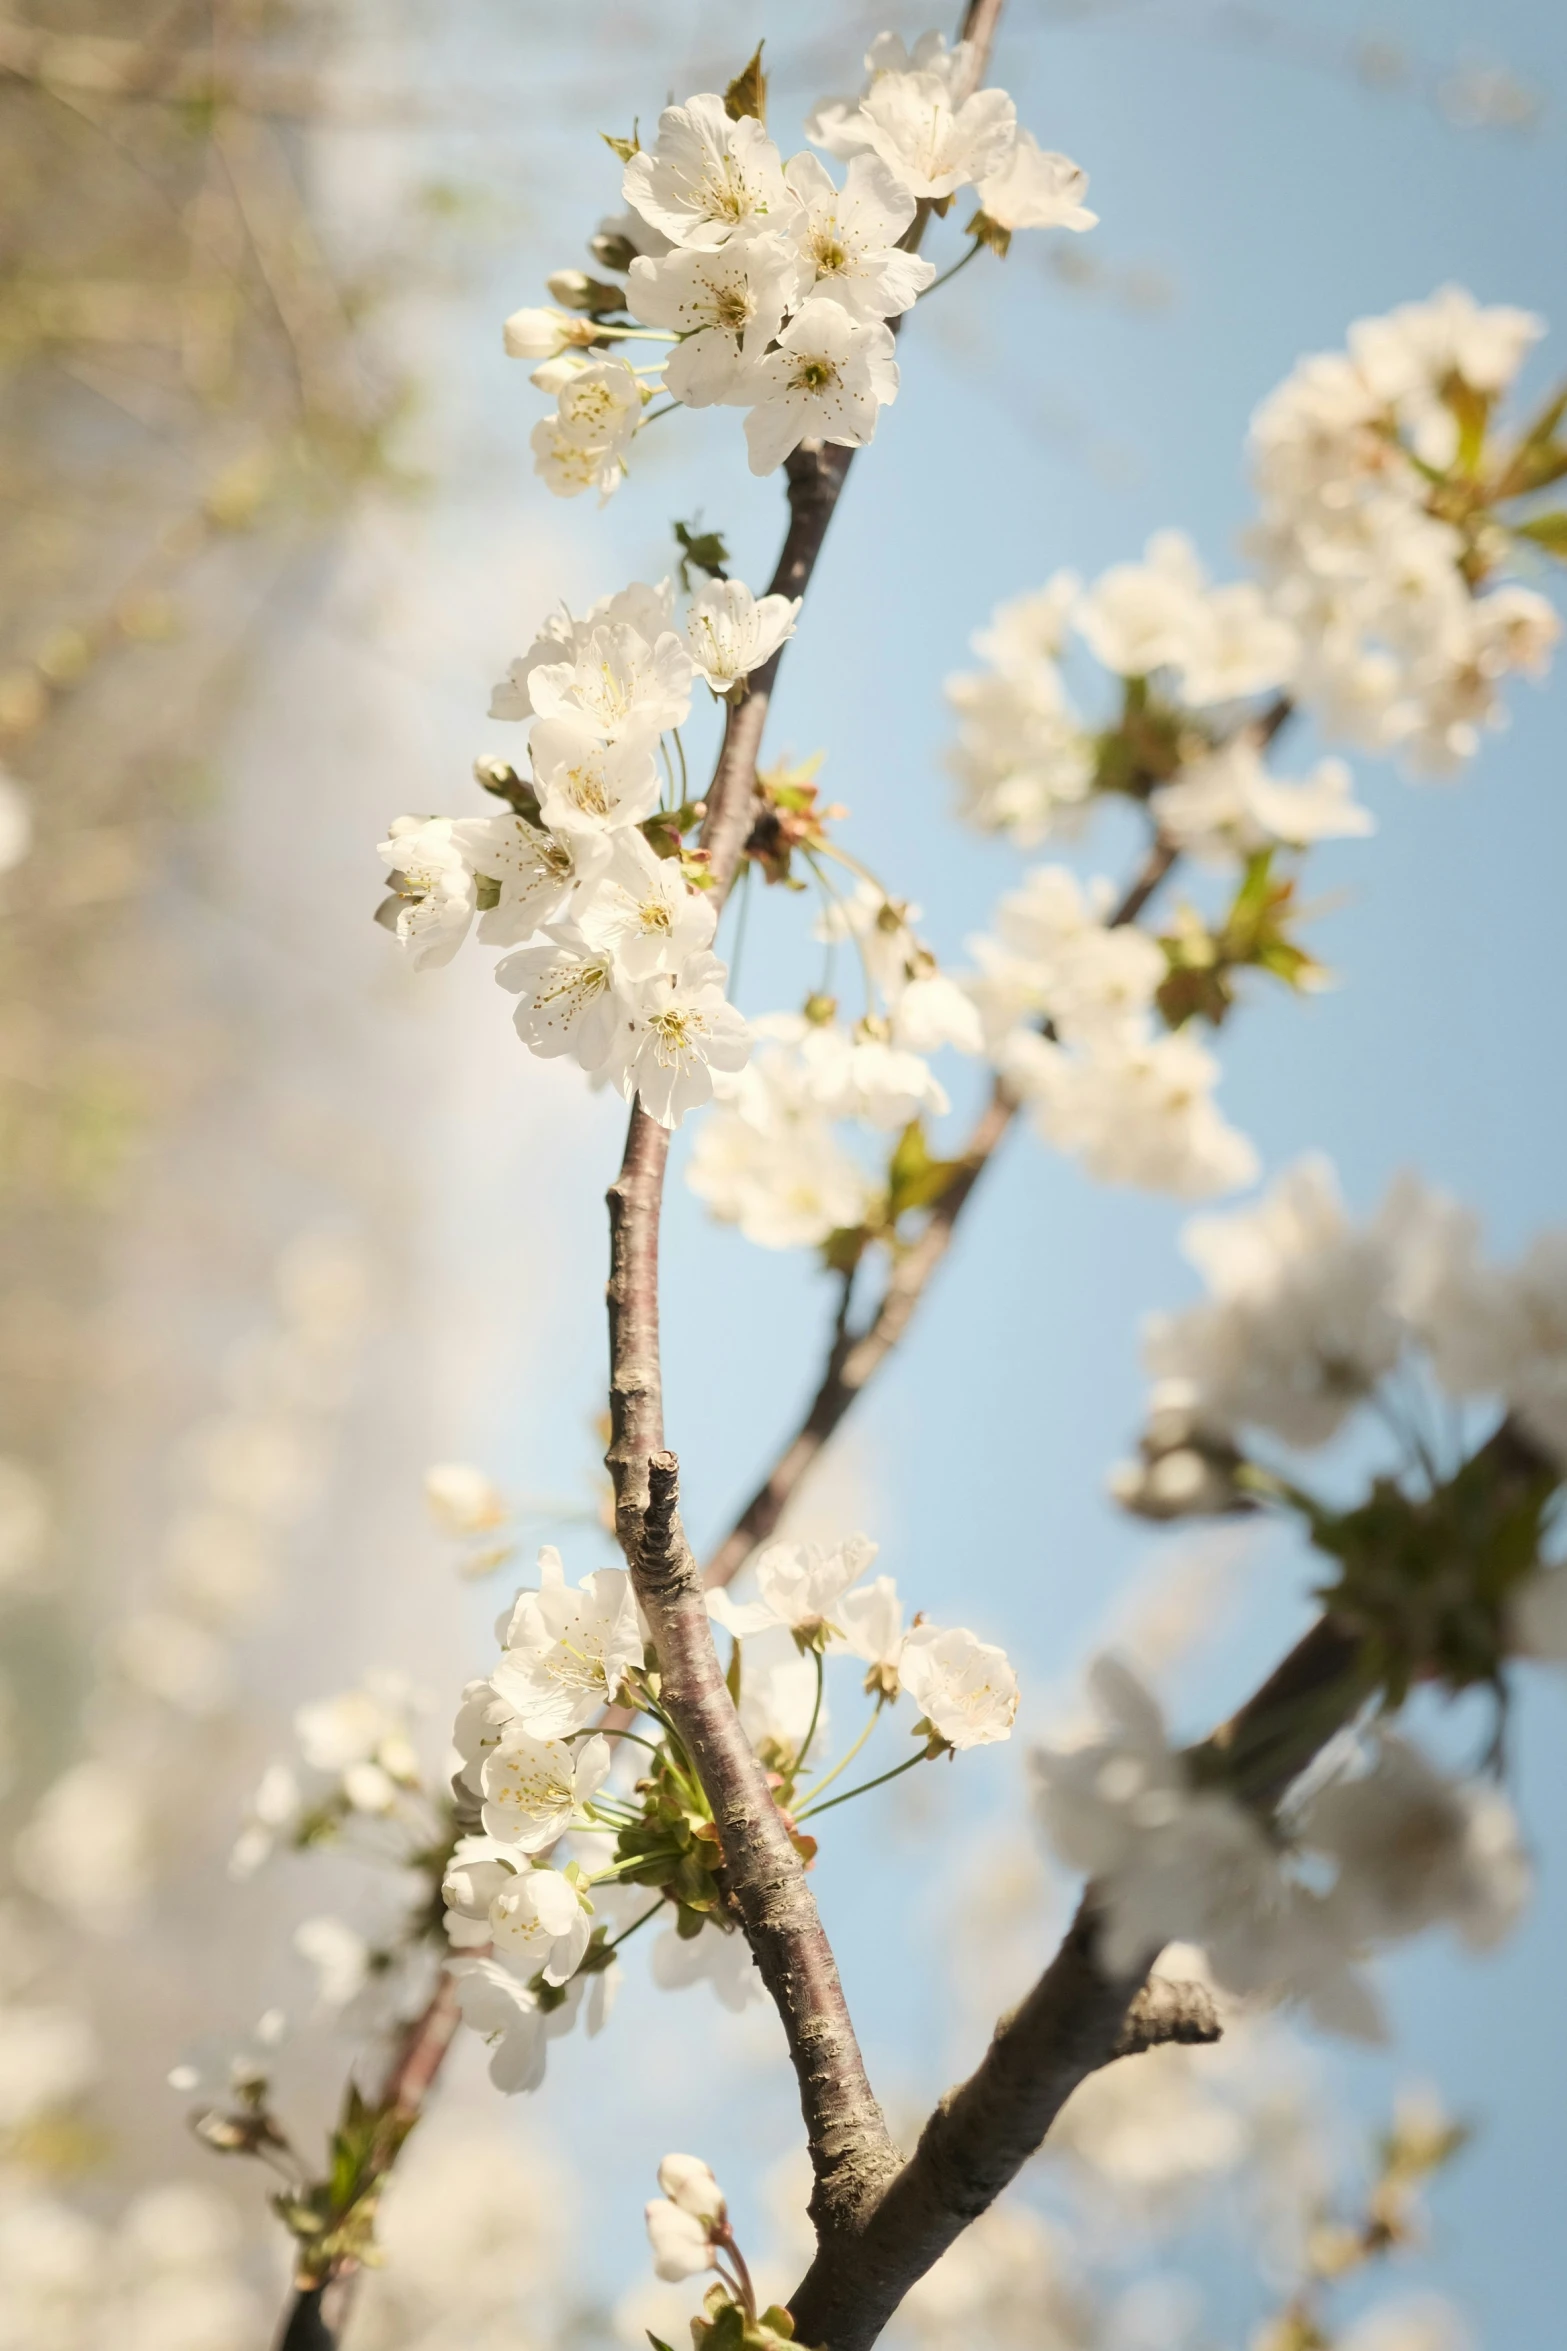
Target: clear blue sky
(1256, 194)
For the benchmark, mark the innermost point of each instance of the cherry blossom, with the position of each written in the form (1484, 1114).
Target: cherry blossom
(848, 237)
(727, 306)
(930, 145)
(798, 1586)
(729, 632)
(706, 177)
(564, 1652)
(676, 1030)
(826, 379)
(1034, 189)
(963, 1687)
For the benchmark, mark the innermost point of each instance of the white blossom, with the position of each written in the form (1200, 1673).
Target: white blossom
(532, 1916)
(546, 332)
(436, 884)
(1034, 189)
(1137, 1111)
(1413, 1848)
(964, 1687)
(363, 1737)
(567, 465)
(766, 1157)
(681, 2223)
(779, 1697)
(798, 1586)
(649, 611)
(567, 998)
(1228, 806)
(871, 1620)
(535, 874)
(1399, 650)
(462, 1500)
(641, 912)
(722, 1960)
(729, 632)
(848, 237)
(1024, 760)
(1161, 614)
(675, 1030)
(1173, 1862)
(839, 125)
(340, 1956)
(618, 684)
(534, 1788)
(705, 177)
(825, 380)
(727, 306)
(586, 786)
(1502, 1330)
(565, 1652)
(1303, 1318)
(932, 146)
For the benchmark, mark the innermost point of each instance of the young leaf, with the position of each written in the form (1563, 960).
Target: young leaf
(747, 93)
(1546, 530)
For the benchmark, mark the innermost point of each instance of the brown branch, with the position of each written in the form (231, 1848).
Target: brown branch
(1078, 2017)
(1166, 2011)
(851, 2152)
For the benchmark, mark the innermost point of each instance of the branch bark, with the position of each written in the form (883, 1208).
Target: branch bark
(1078, 2017)
(851, 2151)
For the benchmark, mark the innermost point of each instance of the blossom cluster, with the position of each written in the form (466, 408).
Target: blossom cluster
(1028, 762)
(773, 1156)
(1401, 1847)
(1378, 539)
(1107, 1082)
(1446, 1565)
(556, 1845)
(613, 963)
(775, 284)
(1309, 1313)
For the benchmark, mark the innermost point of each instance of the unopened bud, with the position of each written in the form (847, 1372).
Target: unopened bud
(613, 252)
(821, 1011)
(573, 289)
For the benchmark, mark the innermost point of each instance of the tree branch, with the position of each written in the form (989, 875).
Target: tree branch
(851, 2151)
(1078, 2017)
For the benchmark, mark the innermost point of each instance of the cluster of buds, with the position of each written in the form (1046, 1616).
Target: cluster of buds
(688, 2228)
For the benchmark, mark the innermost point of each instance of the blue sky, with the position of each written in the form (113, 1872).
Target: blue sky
(1256, 194)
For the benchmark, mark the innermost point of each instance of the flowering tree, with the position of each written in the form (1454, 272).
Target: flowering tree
(650, 1751)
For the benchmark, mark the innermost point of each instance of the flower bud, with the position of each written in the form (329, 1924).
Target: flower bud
(538, 334)
(690, 2185)
(575, 290)
(613, 252)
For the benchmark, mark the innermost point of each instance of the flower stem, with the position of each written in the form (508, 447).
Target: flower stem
(625, 1933)
(948, 275)
(816, 1716)
(847, 1758)
(863, 1789)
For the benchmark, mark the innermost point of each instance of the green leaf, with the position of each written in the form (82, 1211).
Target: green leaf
(657, 2341)
(624, 148)
(1471, 410)
(747, 93)
(915, 1179)
(1545, 530)
(701, 551)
